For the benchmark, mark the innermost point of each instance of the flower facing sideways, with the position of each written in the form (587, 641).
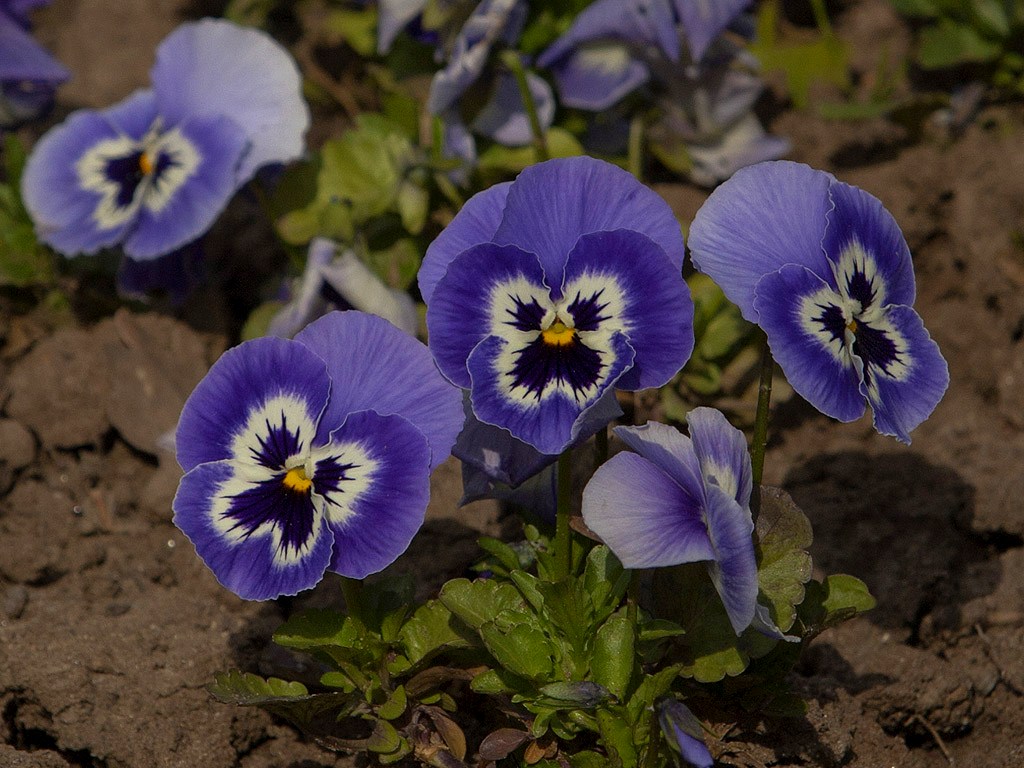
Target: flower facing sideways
(680, 500)
(153, 172)
(545, 293)
(823, 268)
(312, 455)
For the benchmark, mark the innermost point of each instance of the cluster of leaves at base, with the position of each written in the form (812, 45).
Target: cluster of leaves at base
(23, 261)
(570, 669)
(985, 33)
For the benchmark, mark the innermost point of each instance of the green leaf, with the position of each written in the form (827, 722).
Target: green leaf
(521, 649)
(395, 706)
(501, 552)
(560, 142)
(259, 320)
(429, 631)
(495, 682)
(569, 609)
(825, 60)
(357, 28)
(617, 738)
(651, 688)
(782, 535)
(316, 628)
(286, 699)
(413, 206)
(386, 603)
(384, 739)
(948, 44)
(396, 265)
(605, 580)
(614, 655)
(846, 592)
(477, 602)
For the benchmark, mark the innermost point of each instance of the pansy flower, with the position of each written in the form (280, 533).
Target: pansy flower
(823, 268)
(546, 292)
(153, 172)
(311, 455)
(28, 74)
(679, 500)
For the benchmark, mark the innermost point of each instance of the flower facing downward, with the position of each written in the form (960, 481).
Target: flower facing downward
(679, 500)
(312, 455)
(154, 171)
(545, 293)
(684, 733)
(823, 268)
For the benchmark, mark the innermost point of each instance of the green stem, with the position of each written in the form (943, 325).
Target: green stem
(563, 535)
(821, 17)
(760, 442)
(511, 60)
(636, 147)
(653, 740)
(352, 590)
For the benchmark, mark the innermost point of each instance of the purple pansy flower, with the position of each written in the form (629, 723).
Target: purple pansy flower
(28, 74)
(312, 455)
(546, 292)
(823, 268)
(679, 500)
(153, 172)
(683, 731)
(332, 281)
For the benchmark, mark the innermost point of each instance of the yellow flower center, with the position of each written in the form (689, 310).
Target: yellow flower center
(852, 326)
(296, 480)
(558, 334)
(146, 163)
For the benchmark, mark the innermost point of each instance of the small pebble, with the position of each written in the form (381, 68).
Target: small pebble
(14, 602)
(17, 446)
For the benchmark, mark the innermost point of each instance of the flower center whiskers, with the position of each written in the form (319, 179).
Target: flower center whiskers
(297, 480)
(558, 334)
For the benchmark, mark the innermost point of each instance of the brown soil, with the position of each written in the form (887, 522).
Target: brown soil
(110, 626)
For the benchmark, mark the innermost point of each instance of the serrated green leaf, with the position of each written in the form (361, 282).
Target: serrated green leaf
(522, 649)
(429, 631)
(316, 628)
(477, 602)
(782, 534)
(246, 689)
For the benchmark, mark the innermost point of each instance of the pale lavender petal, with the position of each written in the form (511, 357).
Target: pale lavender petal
(214, 67)
(643, 515)
(503, 118)
(640, 23)
(307, 304)
(684, 731)
(743, 143)
(392, 17)
(360, 287)
(476, 223)
(598, 75)
(550, 205)
(375, 366)
(671, 451)
(22, 58)
(765, 216)
(734, 568)
(722, 452)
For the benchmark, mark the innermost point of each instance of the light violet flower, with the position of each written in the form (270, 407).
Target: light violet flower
(823, 268)
(332, 281)
(546, 293)
(312, 455)
(153, 172)
(683, 731)
(680, 500)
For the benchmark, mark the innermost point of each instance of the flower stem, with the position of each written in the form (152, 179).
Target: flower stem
(636, 147)
(600, 447)
(352, 590)
(563, 535)
(760, 442)
(511, 60)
